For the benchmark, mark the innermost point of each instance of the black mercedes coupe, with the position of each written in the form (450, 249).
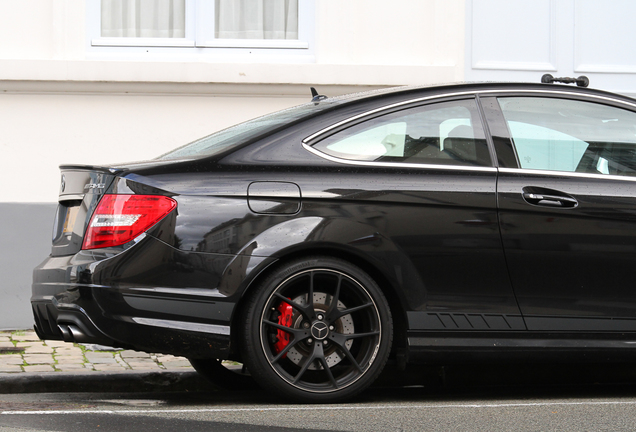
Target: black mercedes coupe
(318, 243)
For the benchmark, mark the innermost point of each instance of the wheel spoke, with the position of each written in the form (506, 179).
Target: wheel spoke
(341, 339)
(317, 354)
(310, 295)
(297, 333)
(333, 304)
(314, 355)
(306, 311)
(285, 350)
(361, 335)
(325, 366)
(340, 313)
(351, 358)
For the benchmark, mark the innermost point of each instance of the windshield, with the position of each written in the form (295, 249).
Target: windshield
(234, 136)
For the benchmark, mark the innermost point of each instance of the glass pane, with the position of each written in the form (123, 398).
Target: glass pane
(256, 19)
(446, 133)
(383, 140)
(143, 18)
(237, 135)
(573, 136)
(542, 148)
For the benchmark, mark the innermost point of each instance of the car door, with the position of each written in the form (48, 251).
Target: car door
(567, 208)
(423, 178)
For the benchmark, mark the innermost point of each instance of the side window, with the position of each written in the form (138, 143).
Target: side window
(448, 133)
(573, 136)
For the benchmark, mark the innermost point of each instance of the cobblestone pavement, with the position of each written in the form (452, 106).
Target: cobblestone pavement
(24, 352)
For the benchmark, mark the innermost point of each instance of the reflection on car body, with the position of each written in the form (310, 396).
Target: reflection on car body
(318, 244)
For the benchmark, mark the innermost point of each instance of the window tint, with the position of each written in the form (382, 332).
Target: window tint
(448, 133)
(237, 135)
(574, 136)
(539, 147)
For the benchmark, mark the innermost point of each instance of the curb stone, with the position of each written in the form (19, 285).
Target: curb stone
(57, 382)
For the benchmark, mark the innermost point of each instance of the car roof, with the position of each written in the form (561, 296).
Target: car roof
(405, 94)
(469, 87)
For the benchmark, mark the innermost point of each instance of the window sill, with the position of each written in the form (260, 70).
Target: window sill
(254, 43)
(187, 43)
(142, 42)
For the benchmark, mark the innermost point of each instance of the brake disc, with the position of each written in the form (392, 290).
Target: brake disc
(343, 325)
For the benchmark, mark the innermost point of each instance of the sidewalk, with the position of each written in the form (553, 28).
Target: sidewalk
(23, 352)
(28, 364)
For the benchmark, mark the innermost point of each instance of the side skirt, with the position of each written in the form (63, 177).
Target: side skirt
(456, 347)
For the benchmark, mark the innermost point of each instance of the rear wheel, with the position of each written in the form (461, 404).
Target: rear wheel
(317, 330)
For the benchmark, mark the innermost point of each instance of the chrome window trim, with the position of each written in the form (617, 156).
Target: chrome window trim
(527, 171)
(463, 93)
(396, 164)
(460, 167)
(384, 108)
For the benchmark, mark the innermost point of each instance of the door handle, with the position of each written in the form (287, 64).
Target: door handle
(549, 198)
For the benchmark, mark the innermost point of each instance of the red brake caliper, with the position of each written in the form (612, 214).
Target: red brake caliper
(285, 319)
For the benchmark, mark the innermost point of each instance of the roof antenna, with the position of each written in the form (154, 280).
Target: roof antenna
(581, 81)
(315, 97)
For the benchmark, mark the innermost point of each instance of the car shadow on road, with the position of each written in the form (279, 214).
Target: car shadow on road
(505, 381)
(478, 382)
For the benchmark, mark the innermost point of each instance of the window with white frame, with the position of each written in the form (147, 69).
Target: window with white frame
(254, 24)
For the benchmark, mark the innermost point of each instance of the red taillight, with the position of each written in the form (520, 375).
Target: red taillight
(119, 219)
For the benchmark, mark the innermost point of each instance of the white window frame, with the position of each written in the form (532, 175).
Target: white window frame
(199, 34)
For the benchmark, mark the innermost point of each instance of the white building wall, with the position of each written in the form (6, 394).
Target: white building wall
(47, 130)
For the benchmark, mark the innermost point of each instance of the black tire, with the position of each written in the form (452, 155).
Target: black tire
(329, 349)
(222, 376)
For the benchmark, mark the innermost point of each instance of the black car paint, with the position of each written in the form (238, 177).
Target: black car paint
(433, 238)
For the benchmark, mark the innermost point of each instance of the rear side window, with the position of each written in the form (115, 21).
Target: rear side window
(447, 133)
(573, 136)
(235, 136)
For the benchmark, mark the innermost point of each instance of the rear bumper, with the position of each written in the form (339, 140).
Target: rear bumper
(147, 298)
(60, 322)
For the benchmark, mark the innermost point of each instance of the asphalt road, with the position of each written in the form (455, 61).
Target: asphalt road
(561, 398)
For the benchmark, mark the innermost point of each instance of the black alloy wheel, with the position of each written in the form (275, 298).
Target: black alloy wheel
(317, 330)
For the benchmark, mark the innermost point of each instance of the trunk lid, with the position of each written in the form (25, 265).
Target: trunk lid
(81, 188)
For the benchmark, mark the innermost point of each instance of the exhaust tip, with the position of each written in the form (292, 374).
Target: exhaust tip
(77, 335)
(66, 332)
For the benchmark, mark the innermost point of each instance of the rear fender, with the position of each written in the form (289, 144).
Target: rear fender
(313, 235)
